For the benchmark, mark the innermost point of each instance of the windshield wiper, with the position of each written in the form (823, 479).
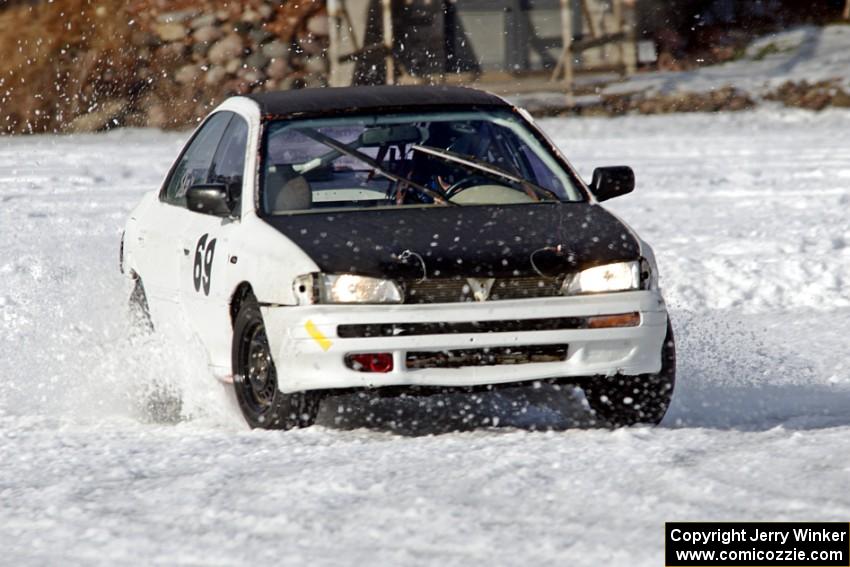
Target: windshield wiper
(438, 195)
(478, 165)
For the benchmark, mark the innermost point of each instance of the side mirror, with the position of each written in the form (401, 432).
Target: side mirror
(209, 199)
(610, 182)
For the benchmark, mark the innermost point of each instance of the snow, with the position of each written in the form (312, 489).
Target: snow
(748, 217)
(808, 53)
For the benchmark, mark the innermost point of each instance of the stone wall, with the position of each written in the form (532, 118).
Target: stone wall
(211, 52)
(80, 66)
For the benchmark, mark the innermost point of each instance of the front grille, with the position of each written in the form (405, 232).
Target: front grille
(522, 288)
(458, 290)
(486, 356)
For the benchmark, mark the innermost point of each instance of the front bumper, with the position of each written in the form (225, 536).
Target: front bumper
(309, 354)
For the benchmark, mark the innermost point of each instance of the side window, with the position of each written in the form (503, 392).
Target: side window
(194, 165)
(229, 162)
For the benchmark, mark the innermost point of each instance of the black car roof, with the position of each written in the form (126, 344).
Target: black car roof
(351, 99)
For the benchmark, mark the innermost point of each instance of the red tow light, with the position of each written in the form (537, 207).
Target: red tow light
(378, 362)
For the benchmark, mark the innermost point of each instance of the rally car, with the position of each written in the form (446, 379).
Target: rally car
(414, 238)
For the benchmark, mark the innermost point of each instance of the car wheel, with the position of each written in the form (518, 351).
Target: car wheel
(631, 400)
(255, 378)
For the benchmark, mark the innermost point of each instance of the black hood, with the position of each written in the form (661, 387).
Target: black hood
(478, 241)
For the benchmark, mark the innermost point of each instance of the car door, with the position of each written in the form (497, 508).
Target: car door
(161, 231)
(208, 261)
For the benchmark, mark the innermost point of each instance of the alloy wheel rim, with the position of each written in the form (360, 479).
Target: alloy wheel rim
(259, 375)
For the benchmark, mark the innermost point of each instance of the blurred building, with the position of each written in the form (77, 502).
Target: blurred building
(438, 38)
(376, 41)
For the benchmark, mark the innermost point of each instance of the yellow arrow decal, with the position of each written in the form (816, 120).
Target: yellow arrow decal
(317, 335)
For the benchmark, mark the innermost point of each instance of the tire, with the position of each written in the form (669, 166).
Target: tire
(623, 401)
(263, 405)
(160, 400)
(138, 310)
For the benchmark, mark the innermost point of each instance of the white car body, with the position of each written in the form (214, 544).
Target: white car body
(163, 244)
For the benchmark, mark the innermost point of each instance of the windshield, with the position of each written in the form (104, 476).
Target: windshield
(422, 159)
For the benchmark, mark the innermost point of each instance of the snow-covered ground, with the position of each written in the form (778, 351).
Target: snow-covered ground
(750, 217)
(808, 53)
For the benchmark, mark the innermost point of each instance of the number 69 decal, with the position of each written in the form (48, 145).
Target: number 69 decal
(202, 272)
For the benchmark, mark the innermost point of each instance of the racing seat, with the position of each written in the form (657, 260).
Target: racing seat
(287, 190)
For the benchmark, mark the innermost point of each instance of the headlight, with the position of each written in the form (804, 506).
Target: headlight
(345, 288)
(622, 276)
